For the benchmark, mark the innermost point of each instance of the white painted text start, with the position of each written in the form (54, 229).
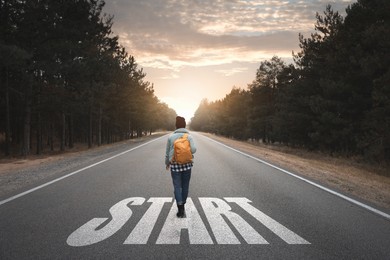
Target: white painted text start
(214, 209)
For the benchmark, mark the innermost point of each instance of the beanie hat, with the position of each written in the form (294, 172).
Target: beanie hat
(180, 122)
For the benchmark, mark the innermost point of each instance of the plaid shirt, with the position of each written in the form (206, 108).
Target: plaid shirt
(175, 167)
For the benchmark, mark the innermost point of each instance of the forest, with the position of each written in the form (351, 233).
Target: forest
(65, 79)
(334, 98)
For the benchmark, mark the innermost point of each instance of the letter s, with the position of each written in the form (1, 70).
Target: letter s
(87, 233)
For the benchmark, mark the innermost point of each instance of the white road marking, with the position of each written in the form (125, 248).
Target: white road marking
(92, 232)
(87, 233)
(358, 203)
(280, 230)
(221, 230)
(197, 232)
(142, 231)
(73, 173)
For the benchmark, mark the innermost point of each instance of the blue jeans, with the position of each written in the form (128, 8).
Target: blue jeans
(181, 184)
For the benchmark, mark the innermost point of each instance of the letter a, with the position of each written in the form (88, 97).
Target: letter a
(197, 232)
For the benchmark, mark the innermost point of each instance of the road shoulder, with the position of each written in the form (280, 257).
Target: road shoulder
(351, 178)
(19, 174)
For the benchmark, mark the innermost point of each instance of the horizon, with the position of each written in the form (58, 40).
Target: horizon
(191, 52)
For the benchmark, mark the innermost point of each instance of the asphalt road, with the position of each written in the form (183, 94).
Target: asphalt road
(239, 208)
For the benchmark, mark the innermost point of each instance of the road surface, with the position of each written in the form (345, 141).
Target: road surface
(239, 208)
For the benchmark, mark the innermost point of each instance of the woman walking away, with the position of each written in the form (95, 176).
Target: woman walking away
(179, 158)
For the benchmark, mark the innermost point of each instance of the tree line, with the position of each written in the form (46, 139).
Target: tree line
(65, 78)
(335, 97)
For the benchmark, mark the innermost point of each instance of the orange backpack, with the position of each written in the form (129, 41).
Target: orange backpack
(182, 150)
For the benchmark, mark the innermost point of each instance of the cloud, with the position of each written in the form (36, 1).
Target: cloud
(170, 76)
(172, 34)
(232, 71)
(193, 49)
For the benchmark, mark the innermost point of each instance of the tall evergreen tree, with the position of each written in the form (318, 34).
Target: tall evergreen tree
(264, 91)
(366, 36)
(66, 79)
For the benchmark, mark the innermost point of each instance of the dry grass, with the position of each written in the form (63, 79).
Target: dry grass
(349, 176)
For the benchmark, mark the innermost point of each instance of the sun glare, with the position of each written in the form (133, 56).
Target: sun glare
(183, 106)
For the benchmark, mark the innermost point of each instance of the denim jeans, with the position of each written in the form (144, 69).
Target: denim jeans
(181, 183)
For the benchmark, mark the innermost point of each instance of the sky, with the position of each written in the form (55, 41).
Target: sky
(196, 49)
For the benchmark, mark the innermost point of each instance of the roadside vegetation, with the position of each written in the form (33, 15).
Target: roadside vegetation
(334, 99)
(352, 176)
(65, 79)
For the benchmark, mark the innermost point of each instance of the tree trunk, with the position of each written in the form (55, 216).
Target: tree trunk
(39, 133)
(100, 125)
(71, 131)
(27, 129)
(90, 128)
(63, 132)
(39, 123)
(27, 120)
(7, 119)
(51, 137)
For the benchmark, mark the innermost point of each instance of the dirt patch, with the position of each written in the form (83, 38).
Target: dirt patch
(17, 163)
(19, 174)
(348, 176)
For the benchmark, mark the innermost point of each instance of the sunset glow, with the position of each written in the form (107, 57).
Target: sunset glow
(192, 50)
